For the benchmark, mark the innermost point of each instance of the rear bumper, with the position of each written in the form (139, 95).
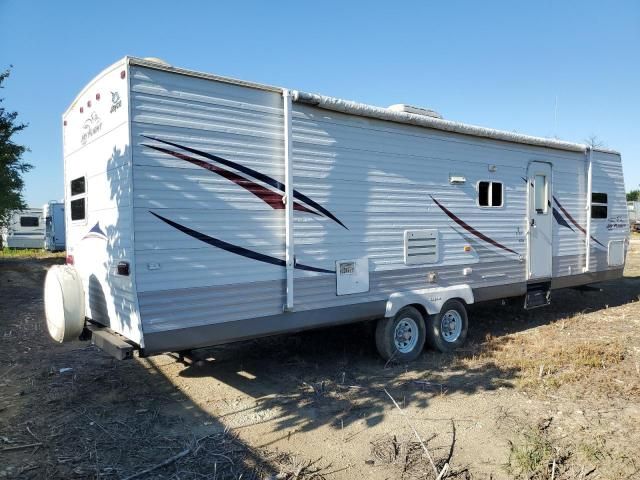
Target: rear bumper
(110, 342)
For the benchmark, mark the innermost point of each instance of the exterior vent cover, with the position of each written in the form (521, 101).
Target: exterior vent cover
(347, 268)
(420, 246)
(616, 253)
(401, 107)
(157, 60)
(352, 276)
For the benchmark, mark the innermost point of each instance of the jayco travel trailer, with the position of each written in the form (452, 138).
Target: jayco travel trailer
(202, 210)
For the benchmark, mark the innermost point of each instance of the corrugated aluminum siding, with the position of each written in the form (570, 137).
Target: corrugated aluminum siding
(378, 178)
(96, 146)
(241, 124)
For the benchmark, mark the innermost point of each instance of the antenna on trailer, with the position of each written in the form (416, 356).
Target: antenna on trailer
(555, 118)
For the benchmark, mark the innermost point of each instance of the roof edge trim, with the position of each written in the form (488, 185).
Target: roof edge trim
(364, 110)
(143, 62)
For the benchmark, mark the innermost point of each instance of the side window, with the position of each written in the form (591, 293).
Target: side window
(599, 205)
(490, 194)
(78, 186)
(29, 221)
(78, 192)
(78, 209)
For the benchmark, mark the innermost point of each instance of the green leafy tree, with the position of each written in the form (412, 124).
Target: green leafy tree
(11, 165)
(633, 196)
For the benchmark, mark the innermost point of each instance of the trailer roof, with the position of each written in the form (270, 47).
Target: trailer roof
(370, 111)
(354, 108)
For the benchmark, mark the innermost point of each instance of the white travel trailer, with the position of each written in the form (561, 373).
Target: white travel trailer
(26, 229)
(54, 236)
(634, 215)
(203, 210)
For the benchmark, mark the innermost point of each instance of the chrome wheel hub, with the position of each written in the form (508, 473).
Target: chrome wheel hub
(451, 325)
(405, 335)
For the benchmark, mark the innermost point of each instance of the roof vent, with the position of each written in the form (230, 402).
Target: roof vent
(157, 60)
(401, 107)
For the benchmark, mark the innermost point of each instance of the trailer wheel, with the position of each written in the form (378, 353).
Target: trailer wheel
(401, 337)
(447, 330)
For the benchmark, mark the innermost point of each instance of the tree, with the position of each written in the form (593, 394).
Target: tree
(594, 142)
(11, 165)
(633, 196)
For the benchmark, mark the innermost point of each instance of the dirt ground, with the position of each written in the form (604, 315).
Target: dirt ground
(551, 393)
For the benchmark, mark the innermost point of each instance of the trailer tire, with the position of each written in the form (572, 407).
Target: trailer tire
(402, 336)
(447, 329)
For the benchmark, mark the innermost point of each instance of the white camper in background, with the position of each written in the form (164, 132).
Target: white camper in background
(203, 210)
(26, 229)
(634, 215)
(54, 235)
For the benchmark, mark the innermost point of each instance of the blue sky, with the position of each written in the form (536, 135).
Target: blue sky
(496, 64)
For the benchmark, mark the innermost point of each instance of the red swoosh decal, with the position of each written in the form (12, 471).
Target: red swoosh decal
(470, 229)
(258, 176)
(273, 199)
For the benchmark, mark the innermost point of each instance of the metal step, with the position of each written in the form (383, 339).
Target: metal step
(538, 295)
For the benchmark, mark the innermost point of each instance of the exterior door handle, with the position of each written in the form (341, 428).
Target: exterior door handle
(533, 222)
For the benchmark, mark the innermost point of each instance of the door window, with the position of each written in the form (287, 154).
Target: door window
(541, 200)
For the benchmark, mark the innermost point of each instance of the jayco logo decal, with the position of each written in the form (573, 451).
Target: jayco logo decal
(619, 221)
(116, 102)
(92, 126)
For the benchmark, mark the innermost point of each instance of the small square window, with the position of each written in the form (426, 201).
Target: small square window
(598, 211)
(490, 194)
(78, 209)
(598, 198)
(78, 186)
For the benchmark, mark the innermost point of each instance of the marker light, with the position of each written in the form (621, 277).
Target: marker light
(123, 74)
(97, 96)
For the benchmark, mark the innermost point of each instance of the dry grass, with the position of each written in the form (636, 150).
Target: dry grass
(92, 428)
(532, 455)
(405, 459)
(29, 253)
(570, 351)
(536, 454)
(292, 467)
(610, 462)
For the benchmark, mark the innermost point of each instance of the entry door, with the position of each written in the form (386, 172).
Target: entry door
(540, 234)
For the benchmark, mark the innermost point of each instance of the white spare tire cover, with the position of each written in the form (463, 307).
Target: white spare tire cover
(64, 303)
